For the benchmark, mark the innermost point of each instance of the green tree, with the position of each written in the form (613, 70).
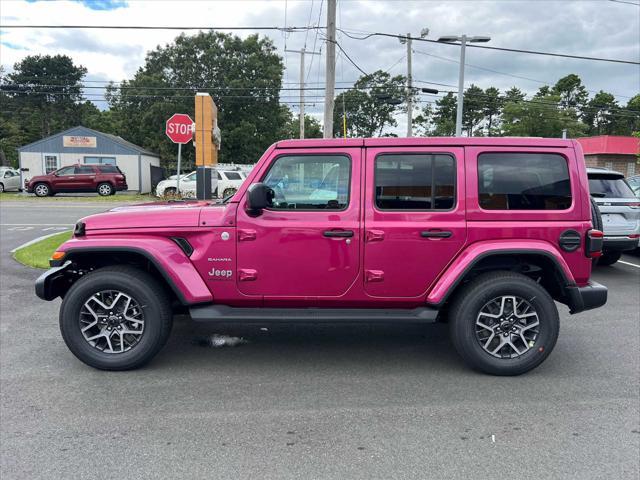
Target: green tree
(41, 96)
(444, 117)
(601, 114)
(632, 116)
(312, 127)
(492, 108)
(543, 116)
(243, 76)
(571, 91)
(473, 108)
(370, 105)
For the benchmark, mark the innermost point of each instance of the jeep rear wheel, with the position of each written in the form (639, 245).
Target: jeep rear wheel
(105, 189)
(42, 190)
(115, 318)
(504, 323)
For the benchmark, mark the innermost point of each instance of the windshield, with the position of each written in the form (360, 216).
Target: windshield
(609, 187)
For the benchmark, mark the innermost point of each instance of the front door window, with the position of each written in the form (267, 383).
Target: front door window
(310, 182)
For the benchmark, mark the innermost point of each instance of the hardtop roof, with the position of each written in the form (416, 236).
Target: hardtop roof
(427, 141)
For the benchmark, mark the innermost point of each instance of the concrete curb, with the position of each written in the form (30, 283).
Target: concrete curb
(35, 240)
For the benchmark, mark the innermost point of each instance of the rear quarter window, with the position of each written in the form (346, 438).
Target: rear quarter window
(108, 169)
(523, 181)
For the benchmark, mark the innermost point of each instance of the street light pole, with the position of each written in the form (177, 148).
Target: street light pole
(302, 53)
(463, 39)
(459, 108)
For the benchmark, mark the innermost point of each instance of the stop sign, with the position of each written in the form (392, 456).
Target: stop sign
(180, 128)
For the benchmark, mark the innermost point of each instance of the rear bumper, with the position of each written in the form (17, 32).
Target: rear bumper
(591, 296)
(619, 244)
(53, 283)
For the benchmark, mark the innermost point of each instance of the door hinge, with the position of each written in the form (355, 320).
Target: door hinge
(374, 235)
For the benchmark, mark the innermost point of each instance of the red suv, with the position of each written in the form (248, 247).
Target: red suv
(485, 234)
(104, 179)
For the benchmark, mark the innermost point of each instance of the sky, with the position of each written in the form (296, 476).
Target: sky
(599, 28)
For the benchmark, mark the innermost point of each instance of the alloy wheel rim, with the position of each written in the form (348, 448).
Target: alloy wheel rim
(41, 190)
(105, 189)
(507, 327)
(112, 321)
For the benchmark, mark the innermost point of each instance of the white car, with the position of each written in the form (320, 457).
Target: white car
(229, 182)
(9, 180)
(226, 183)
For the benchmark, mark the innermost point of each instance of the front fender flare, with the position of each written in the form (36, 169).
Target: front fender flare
(464, 262)
(167, 257)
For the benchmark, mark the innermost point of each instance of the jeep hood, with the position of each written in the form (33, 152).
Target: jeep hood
(154, 215)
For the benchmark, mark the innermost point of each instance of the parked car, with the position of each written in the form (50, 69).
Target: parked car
(620, 210)
(482, 233)
(229, 181)
(634, 183)
(226, 184)
(9, 180)
(104, 179)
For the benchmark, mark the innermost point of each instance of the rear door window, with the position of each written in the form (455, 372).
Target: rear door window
(109, 169)
(415, 181)
(608, 186)
(523, 181)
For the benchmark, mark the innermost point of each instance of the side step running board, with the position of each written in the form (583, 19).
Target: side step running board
(223, 313)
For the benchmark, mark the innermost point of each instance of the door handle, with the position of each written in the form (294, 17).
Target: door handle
(338, 233)
(436, 234)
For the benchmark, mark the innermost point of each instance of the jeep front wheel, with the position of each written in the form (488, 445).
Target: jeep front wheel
(115, 318)
(504, 323)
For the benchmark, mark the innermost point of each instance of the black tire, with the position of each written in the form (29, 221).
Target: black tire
(474, 296)
(596, 217)
(105, 189)
(609, 258)
(42, 190)
(170, 192)
(141, 287)
(1, 188)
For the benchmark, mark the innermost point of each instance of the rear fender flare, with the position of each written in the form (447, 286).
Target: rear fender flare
(468, 258)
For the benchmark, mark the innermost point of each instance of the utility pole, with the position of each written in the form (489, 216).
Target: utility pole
(409, 90)
(408, 40)
(302, 53)
(330, 69)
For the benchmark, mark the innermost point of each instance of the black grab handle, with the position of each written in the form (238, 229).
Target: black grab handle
(338, 233)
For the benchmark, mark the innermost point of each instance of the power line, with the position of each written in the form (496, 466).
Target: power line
(549, 84)
(304, 29)
(628, 3)
(503, 49)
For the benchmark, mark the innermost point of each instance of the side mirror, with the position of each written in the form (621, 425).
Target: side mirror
(259, 197)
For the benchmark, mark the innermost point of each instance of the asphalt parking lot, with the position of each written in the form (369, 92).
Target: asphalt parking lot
(311, 402)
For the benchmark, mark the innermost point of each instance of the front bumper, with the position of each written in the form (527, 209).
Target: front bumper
(619, 244)
(54, 282)
(591, 296)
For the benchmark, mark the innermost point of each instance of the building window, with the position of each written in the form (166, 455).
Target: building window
(415, 182)
(631, 169)
(50, 163)
(523, 181)
(608, 165)
(100, 160)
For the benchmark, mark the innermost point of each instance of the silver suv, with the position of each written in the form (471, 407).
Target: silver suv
(620, 210)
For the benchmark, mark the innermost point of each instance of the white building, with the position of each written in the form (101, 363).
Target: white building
(81, 145)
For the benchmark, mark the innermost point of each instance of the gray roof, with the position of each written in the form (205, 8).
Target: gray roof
(107, 143)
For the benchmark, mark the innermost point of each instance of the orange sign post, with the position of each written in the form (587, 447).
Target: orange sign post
(207, 136)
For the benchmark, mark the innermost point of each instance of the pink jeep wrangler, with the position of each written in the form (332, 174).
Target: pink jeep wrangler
(482, 233)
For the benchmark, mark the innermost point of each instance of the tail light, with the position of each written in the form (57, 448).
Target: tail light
(593, 247)
(633, 205)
